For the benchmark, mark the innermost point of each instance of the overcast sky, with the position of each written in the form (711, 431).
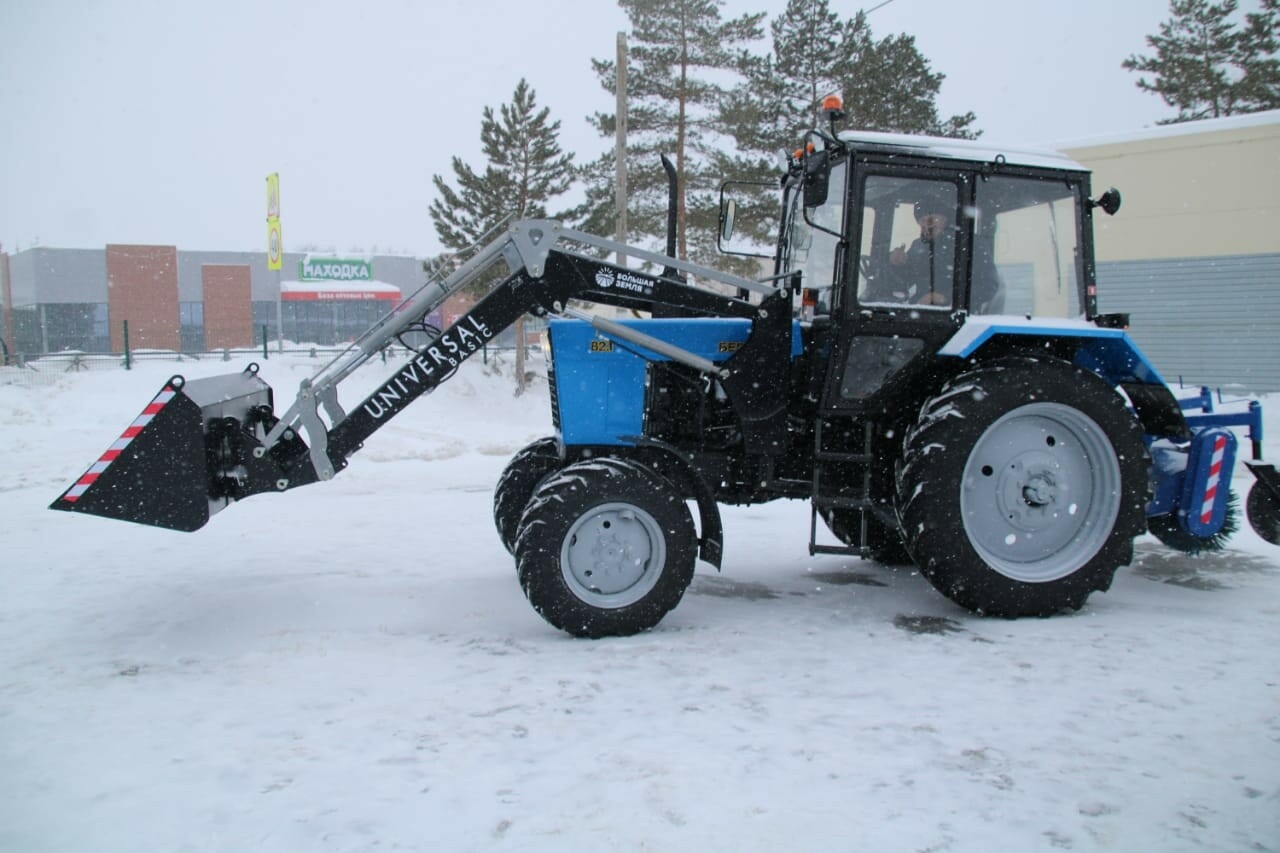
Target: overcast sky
(154, 121)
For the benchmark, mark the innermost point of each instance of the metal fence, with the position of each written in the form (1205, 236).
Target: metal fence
(39, 370)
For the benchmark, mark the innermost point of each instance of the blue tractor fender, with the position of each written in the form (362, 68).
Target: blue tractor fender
(1110, 353)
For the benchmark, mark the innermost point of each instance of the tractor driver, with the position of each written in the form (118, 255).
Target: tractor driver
(924, 271)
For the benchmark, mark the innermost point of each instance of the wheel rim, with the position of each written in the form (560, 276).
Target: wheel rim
(1041, 492)
(613, 555)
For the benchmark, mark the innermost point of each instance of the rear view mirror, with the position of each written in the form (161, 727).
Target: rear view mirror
(728, 212)
(817, 173)
(748, 218)
(1109, 201)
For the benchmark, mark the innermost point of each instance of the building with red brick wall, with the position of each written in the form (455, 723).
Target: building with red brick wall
(142, 290)
(228, 305)
(60, 299)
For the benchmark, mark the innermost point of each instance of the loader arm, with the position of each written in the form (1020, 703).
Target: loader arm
(561, 275)
(233, 445)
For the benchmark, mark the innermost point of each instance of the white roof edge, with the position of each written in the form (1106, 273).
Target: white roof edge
(965, 149)
(1171, 131)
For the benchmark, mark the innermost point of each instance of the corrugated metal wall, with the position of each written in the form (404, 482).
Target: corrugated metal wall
(1211, 321)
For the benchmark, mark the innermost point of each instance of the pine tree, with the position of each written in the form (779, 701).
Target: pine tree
(889, 85)
(679, 52)
(885, 84)
(1208, 65)
(784, 89)
(1258, 57)
(525, 170)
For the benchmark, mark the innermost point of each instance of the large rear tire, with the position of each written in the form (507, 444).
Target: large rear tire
(1023, 485)
(522, 476)
(606, 548)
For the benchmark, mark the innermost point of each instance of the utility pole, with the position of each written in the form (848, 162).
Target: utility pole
(6, 294)
(620, 147)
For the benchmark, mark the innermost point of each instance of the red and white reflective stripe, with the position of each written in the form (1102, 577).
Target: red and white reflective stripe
(95, 470)
(1215, 474)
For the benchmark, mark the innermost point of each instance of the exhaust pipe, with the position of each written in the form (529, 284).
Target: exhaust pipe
(189, 454)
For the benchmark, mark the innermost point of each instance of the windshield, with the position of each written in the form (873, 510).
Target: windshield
(811, 237)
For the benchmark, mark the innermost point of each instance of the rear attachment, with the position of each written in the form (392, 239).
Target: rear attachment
(1263, 505)
(189, 454)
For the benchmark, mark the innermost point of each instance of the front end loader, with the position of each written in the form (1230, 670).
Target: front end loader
(203, 444)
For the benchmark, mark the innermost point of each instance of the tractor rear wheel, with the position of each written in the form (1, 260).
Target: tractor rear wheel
(1022, 487)
(526, 470)
(606, 548)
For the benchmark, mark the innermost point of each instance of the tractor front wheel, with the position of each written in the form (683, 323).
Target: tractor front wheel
(526, 470)
(606, 548)
(1022, 487)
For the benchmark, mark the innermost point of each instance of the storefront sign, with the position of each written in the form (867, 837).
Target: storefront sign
(389, 295)
(334, 269)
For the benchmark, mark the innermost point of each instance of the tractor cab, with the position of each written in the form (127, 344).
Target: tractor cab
(900, 241)
(939, 229)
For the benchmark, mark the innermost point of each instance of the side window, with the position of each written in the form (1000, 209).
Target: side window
(1025, 248)
(908, 242)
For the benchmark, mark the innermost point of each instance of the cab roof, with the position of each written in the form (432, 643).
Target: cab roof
(957, 149)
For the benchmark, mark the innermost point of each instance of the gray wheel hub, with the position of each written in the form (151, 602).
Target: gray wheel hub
(613, 555)
(1041, 492)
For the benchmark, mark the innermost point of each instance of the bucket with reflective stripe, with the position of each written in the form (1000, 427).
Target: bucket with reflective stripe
(160, 470)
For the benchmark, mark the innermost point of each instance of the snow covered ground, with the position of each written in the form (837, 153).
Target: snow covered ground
(352, 666)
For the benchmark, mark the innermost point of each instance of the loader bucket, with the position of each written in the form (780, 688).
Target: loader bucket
(163, 469)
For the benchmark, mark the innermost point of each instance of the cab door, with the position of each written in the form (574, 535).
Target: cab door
(907, 254)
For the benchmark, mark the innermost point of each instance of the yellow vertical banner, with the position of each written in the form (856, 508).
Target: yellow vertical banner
(275, 243)
(273, 195)
(275, 248)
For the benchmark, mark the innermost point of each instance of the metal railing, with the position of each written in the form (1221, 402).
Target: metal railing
(37, 370)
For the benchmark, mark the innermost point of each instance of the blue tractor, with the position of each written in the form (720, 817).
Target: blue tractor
(926, 365)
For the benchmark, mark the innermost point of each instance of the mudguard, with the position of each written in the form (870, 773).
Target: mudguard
(1110, 353)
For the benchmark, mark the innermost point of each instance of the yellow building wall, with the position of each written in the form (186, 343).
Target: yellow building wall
(1201, 189)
